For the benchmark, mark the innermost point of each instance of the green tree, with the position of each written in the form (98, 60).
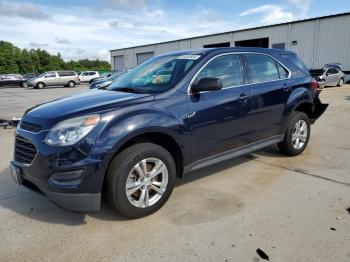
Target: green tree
(16, 60)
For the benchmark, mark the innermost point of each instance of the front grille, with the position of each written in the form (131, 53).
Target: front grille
(25, 151)
(30, 127)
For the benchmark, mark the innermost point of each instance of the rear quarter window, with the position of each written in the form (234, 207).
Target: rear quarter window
(293, 59)
(282, 71)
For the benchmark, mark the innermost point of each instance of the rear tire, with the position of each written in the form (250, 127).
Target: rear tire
(131, 175)
(297, 134)
(40, 85)
(341, 82)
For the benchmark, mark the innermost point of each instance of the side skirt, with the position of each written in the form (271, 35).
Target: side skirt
(233, 153)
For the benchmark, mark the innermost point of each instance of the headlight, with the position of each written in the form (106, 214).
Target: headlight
(69, 132)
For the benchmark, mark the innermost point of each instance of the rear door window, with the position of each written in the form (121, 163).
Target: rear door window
(62, 74)
(262, 68)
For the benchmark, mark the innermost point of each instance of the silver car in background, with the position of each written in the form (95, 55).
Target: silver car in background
(330, 75)
(55, 78)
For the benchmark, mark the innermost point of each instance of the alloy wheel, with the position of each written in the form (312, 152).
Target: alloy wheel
(146, 182)
(299, 134)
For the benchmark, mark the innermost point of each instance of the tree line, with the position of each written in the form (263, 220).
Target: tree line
(14, 60)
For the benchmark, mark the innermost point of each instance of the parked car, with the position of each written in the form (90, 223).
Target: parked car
(105, 82)
(13, 80)
(55, 78)
(330, 75)
(103, 76)
(86, 76)
(136, 137)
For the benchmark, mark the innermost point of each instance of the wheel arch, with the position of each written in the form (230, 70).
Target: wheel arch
(156, 136)
(162, 139)
(305, 107)
(301, 99)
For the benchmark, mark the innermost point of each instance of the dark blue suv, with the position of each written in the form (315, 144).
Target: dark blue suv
(173, 114)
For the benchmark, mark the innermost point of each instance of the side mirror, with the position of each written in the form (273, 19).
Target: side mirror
(207, 84)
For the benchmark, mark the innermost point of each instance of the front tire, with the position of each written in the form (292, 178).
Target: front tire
(297, 134)
(40, 85)
(71, 84)
(140, 180)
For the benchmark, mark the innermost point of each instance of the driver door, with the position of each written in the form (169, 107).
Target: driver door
(331, 76)
(51, 79)
(219, 120)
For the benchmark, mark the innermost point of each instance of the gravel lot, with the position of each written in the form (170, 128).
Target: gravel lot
(284, 206)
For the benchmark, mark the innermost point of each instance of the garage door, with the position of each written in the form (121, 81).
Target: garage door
(119, 62)
(142, 57)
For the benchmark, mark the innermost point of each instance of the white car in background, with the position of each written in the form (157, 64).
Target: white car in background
(86, 76)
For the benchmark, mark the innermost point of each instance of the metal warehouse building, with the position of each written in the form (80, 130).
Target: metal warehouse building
(317, 41)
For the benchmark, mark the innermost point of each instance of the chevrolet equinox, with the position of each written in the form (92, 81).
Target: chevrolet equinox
(173, 114)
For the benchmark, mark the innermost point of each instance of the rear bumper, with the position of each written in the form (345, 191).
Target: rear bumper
(319, 109)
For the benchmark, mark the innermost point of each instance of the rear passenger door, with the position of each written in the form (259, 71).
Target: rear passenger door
(92, 75)
(219, 120)
(62, 78)
(270, 92)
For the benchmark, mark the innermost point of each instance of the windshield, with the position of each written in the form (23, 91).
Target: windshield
(113, 77)
(43, 74)
(156, 75)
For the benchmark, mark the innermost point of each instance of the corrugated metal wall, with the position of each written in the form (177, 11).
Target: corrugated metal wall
(318, 42)
(333, 41)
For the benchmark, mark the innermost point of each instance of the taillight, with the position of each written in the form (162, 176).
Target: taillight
(314, 85)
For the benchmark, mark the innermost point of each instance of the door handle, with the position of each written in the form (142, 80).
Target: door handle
(243, 97)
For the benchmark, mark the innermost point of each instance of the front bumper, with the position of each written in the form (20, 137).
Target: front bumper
(321, 84)
(68, 176)
(81, 202)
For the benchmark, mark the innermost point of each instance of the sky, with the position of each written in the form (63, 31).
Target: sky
(81, 29)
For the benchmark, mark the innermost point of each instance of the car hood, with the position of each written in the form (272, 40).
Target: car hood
(98, 82)
(90, 102)
(34, 78)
